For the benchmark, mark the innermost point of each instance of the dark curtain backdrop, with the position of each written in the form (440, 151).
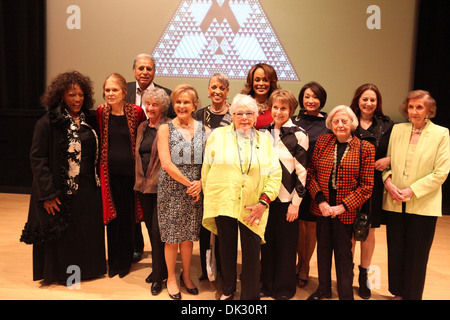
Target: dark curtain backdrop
(22, 53)
(22, 82)
(432, 71)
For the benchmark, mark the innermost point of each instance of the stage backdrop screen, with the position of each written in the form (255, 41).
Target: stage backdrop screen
(339, 43)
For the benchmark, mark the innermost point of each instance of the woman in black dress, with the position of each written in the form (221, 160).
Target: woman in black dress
(312, 99)
(65, 216)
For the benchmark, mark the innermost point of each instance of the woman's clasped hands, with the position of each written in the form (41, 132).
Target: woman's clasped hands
(195, 189)
(331, 211)
(396, 194)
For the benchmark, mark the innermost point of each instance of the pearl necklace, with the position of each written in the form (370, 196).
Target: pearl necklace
(417, 131)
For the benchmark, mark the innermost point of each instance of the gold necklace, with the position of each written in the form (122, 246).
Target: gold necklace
(334, 173)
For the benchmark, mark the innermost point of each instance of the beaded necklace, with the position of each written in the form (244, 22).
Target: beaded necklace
(334, 173)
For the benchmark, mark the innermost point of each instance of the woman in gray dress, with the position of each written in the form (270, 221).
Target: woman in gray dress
(180, 205)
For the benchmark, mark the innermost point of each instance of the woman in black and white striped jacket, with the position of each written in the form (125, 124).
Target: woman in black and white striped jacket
(278, 255)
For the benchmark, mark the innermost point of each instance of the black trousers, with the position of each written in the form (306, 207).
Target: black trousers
(120, 231)
(251, 248)
(333, 236)
(409, 240)
(149, 208)
(205, 243)
(279, 253)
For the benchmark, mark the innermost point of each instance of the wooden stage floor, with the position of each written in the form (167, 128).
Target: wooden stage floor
(16, 268)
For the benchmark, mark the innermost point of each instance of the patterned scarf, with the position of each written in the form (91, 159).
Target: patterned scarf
(74, 152)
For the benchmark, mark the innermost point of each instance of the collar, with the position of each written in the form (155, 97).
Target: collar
(139, 90)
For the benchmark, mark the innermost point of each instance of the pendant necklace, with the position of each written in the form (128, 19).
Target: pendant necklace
(244, 175)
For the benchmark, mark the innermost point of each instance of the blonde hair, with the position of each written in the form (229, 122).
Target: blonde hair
(285, 96)
(185, 88)
(120, 81)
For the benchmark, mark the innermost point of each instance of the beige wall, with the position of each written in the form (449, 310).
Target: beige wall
(326, 40)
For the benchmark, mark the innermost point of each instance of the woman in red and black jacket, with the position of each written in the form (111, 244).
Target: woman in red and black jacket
(340, 180)
(118, 122)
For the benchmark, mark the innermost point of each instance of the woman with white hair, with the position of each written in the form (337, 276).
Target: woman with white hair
(156, 103)
(340, 180)
(241, 175)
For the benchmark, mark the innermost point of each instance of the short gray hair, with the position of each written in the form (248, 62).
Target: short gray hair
(160, 95)
(244, 100)
(223, 79)
(350, 113)
(144, 56)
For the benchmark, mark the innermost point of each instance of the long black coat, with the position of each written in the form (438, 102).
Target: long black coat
(49, 163)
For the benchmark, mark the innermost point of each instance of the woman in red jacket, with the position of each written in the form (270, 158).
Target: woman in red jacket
(340, 180)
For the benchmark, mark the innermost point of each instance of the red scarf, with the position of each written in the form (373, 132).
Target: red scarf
(135, 115)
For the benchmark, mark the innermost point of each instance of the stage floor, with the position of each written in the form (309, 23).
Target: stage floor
(16, 268)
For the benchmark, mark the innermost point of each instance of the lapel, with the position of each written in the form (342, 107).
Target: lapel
(420, 148)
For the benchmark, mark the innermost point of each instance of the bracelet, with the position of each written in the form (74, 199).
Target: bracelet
(263, 203)
(265, 198)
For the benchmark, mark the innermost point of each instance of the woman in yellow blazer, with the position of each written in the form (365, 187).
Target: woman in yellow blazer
(241, 175)
(420, 164)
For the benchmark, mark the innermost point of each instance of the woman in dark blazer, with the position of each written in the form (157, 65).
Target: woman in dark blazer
(311, 118)
(374, 127)
(340, 180)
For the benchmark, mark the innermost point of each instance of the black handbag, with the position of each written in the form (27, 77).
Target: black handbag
(361, 224)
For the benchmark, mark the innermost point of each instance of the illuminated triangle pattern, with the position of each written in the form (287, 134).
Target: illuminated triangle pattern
(229, 36)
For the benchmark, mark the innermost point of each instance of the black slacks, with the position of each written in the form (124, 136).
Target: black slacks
(409, 240)
(335, 236)
(251, 248)
(279, 253)
(120, 231)
(149, 208)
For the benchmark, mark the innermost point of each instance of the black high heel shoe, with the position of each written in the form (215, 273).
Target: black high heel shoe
(176, 296)
(182, 284)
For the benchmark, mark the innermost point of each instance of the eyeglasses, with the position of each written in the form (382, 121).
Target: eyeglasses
(343, 121)
(239, 115)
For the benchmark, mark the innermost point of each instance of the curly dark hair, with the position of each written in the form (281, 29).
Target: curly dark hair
(55, 92)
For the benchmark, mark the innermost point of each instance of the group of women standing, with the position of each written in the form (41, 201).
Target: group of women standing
(212, 175)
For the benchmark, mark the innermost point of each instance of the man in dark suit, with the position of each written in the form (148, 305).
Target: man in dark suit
(144, 73)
